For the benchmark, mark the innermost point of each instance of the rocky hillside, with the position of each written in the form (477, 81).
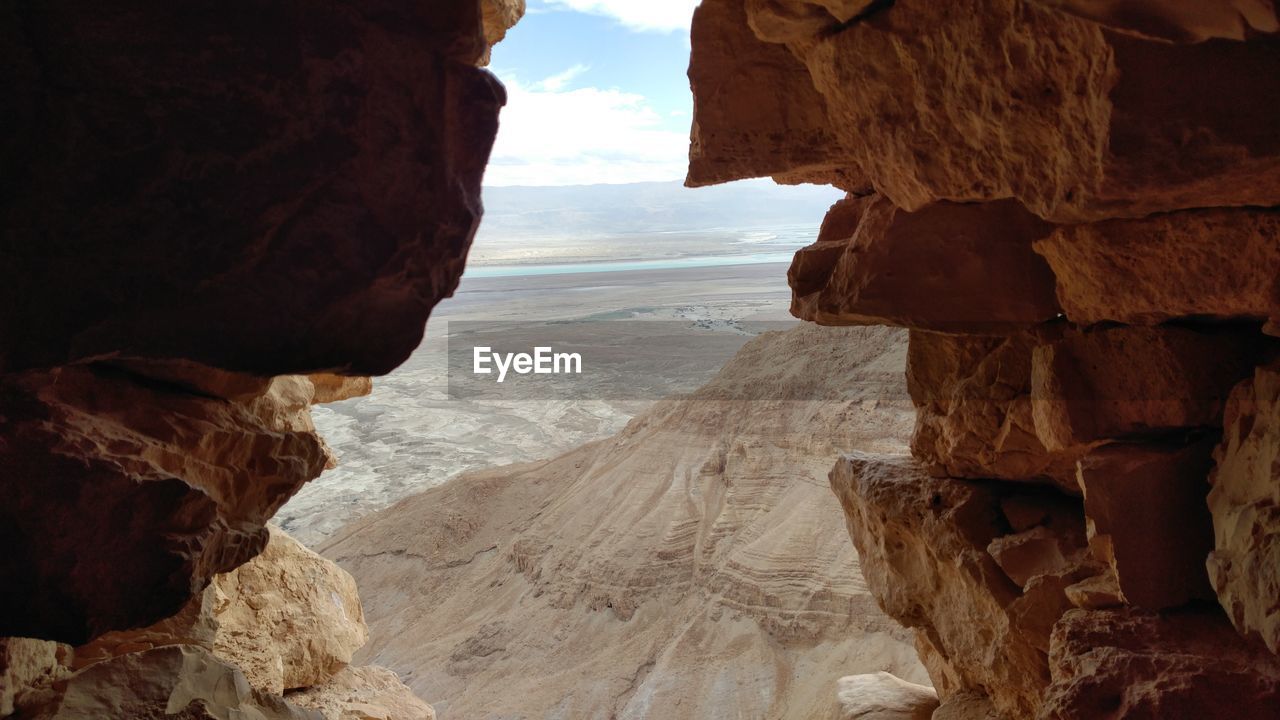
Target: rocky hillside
(692, 566)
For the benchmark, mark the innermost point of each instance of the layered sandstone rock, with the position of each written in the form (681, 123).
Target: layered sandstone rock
(1125, 270)
(153, 490)
(756, 111)
(965, 102)
(1146, 510)
(970, 267)
(1132, 135)
(974, 411)
(190, 212)
(932, 552)
(1187, 664)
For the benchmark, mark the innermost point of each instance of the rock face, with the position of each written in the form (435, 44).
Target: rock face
(1067, 542)
(1245, 563)
(363, 693)
(288, 620)
(691, 556)
(1119, 270)
(1095, 124)
(182, 681)
(28, 665)
(195, 202)
(971, 266)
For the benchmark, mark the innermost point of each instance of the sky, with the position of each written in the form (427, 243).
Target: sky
(597, 93)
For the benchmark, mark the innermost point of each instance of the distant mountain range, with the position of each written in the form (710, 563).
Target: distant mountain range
(606, 210)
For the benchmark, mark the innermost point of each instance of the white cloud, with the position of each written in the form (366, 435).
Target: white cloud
(550, 135)
(643, 15)
(556, 82)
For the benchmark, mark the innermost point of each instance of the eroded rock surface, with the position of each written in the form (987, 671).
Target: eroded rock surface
(1124, 143)
(971, 267)
(288, 619)
(363, 693)
(197, 202)
(1245, 501)
(1207, 264)
(966, 102)
(183, 681)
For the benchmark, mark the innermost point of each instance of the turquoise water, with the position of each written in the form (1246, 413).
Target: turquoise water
(492, 271)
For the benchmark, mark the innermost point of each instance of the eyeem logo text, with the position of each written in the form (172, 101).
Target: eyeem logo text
(543, 361)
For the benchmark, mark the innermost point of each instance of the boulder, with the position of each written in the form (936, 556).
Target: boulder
(1245, 502)
(288, 619)
(922, 542)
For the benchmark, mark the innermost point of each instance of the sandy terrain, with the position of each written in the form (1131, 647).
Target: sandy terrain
(693, 566)
(409, 435)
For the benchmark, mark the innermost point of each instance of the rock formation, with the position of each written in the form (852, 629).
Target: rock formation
(288, 620)
(198, 199)
(691, 566)
(1071, 206)
(213, 217)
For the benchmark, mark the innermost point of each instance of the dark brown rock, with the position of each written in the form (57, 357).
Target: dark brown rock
(285, 187)
(1177, 20)
(1219, 264)
(122, 497)
(755, 111)
(1186, 665)
(974, 412)
(1148, 519)
(922, 542)
(948, 266)
(1135, 382)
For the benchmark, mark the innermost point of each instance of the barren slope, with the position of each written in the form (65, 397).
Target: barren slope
(693, 566)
